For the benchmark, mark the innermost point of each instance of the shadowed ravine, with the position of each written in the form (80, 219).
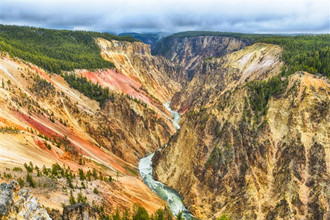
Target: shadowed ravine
(169, 195)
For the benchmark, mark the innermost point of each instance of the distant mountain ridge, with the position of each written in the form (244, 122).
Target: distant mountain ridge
(301, 52)
(147, 38)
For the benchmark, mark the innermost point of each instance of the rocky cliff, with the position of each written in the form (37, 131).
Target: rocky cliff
(45, 121)
(252, 145)
(16, 203)
(19, 204)
(156, 74)
(189, 52)
(217, 75)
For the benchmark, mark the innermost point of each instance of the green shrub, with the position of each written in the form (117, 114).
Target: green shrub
(72, 200)
(7, 175)
(223, 217)
(81, 174)
(9, 129)
(30, 180)
(29, 168)
(17, 169)
(95, 174)
(69, 182)
(179, 216)
(57, 170)
(89, 174)
(141, 214)
(21, 182)
(45, 170)
(81, 198)
(49, 147)
(38, 171)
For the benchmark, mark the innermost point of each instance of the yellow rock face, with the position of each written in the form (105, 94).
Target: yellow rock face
(136, 61)
(230, 158)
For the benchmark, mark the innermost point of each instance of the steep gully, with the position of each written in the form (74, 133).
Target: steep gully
(169, 195)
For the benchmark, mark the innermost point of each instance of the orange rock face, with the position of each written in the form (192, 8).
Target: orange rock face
(61, 125)
(118, 82)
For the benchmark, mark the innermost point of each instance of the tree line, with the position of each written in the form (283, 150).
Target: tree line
(56, 50)
(89, 89)
(309, 53)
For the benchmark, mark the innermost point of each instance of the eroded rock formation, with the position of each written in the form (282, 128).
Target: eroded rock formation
(189, 52)
(251, 146)
(19, 204)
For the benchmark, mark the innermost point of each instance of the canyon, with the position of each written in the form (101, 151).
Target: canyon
(189, 52)
(230, 158)
(45, 121)
(252, 142)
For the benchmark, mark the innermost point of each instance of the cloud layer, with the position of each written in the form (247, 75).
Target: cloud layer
(255, 16)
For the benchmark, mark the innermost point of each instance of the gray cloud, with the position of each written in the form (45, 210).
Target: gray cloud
(171, 16)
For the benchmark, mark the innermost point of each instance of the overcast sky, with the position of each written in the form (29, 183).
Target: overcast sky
(256, 16)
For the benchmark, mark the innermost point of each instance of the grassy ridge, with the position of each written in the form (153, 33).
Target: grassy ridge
(56, 50)
(300, 53)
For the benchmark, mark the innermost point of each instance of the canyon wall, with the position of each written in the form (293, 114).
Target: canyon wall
(45, 121)
(189, 52)
(252, 144)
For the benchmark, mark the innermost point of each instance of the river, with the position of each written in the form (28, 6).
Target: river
(169, 195)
